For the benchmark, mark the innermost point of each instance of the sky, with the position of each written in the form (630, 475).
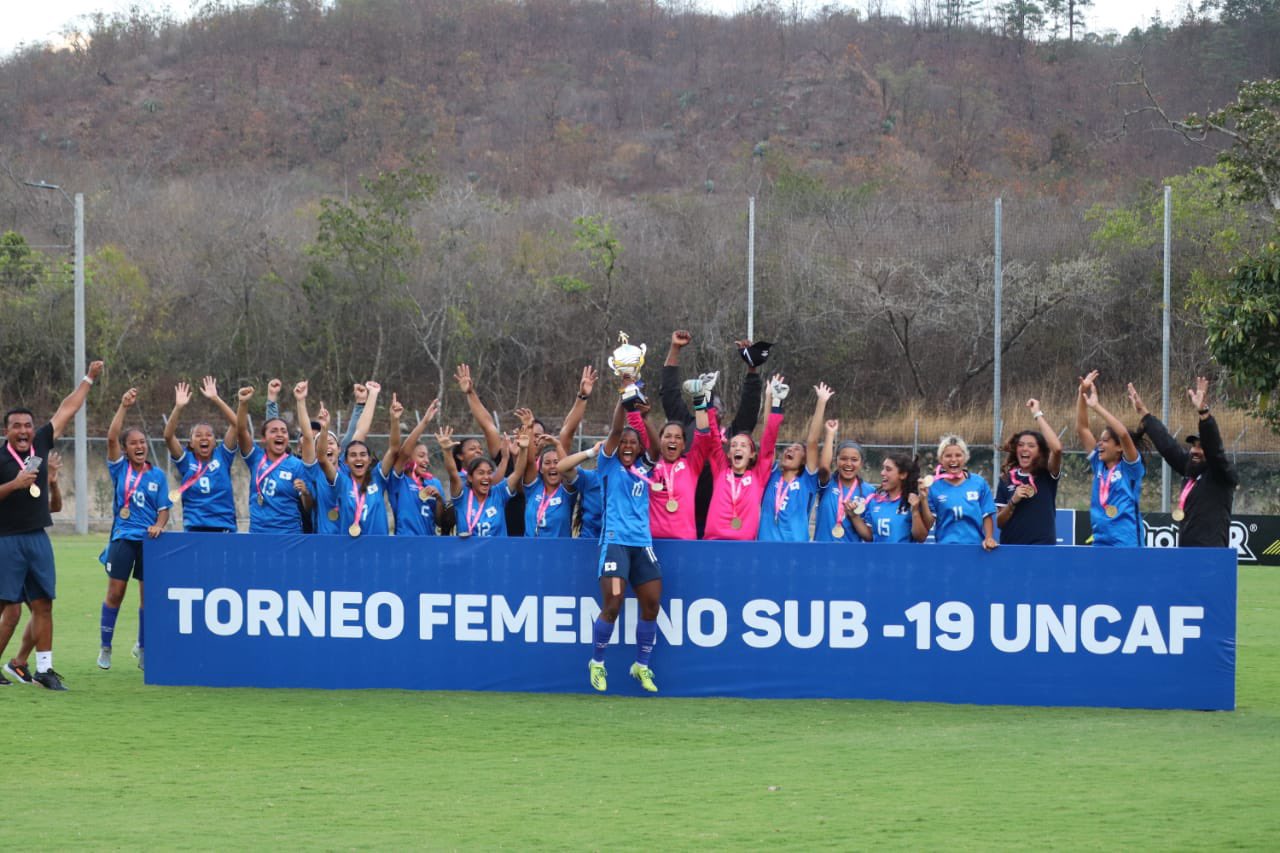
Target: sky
(25, 21)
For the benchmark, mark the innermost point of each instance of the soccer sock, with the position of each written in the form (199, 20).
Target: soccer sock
(139, 627)
(108, 626)
(44, 661)
(646, 636)
(601, 633)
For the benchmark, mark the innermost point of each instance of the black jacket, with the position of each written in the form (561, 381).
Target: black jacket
(1208, 505)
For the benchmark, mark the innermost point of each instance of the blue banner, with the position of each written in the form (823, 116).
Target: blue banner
(1020, 626)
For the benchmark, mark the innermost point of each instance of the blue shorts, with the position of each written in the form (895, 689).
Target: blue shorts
(636, 564)
(124, 558)
(26, 567)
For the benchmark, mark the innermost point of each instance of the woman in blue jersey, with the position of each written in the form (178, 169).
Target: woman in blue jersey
(892, 512)
(204, 465)
(958, 505)
(793, 482)
(1027, 496)
(1117, 472)
(141, 506)
(589, 487)
(357, 489)
(839, 484)
(273, 470)
(548, 503)
(480, 502)
(626, 551)
(417, 497)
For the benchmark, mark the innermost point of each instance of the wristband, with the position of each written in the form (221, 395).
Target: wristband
(1038, 415)
(1204, 411)
(87, 378)
(582, 396)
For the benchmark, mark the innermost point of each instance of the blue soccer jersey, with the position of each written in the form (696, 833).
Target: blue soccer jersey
(888, 519)
(626, 502)
(415, 516)
(548, 514)
(326, 514)
(590, 491)
(273, 500)
(142, 493)
(958, 510)
(208, 499)
(784, 513)
(830, 498)
(485, 517)
(367, 507)
(1119, 488)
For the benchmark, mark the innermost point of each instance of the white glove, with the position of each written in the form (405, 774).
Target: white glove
(779, 391)
(709, 381)
(694, 387)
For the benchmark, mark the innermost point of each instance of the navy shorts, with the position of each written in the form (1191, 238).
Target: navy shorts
(124, 558)
(636, 564)
(26, 567)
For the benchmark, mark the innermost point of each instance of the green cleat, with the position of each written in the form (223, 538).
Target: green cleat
(596, 668)
(644, 675)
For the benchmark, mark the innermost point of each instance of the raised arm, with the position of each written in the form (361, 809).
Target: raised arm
(1165, 444)
(272, 409)
(181, 397)
(523, 438)
(1054, 462)
(615, 430)
(243, 435)
(72, 402)
(209, 388)
(568, 465)
(54, 464)
(406, 449)
(483, 419)
(364, 420)
(1087, 440)
(812, 463)
(747, 416)
(396, 409)
(673, 405)
(117, 424)
(329, 468)
(827, 458)
(573, 420)
(1119, 430)
(444, 437)
(1215, 453)
(307, 447)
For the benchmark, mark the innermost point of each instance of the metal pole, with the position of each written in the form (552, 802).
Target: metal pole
(82, 426)
(999, 286)
(751, 268)
(1164, 357)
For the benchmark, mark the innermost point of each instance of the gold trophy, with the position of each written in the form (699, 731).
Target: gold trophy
(626, 361)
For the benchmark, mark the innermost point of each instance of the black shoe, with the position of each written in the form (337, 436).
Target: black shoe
(18, 671)
(4, 682)
(50, 680)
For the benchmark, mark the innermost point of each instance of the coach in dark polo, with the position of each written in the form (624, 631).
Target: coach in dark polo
(1203, 506)
(26, 555)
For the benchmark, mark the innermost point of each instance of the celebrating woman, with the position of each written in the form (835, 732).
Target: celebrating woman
(1028, 492)
(891, 514)
(204, 465)
(958, 504)
(839, 488)
(548, 505)
(417, 497)
(273, 501)
(1117, 472)
(741, 474)
(480, 502)
(626, 552)
(793, 483)
(141, 506)
(357, 489)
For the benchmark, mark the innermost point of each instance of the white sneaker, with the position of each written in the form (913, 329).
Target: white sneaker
(138, 652)
(104, 657)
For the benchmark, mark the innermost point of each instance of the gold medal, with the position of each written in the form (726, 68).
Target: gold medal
(673, 505)
(354, 530)
(1111, 510)
(175, 495)
(926, 480)
(34, 490)
(736, 524)
(1178, 514)
(424, 494)
(837, 532)
(859, 504)
(124, 513)
(333, 514)
(261, 499)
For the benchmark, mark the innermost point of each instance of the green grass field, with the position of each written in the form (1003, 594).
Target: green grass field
(116, 764)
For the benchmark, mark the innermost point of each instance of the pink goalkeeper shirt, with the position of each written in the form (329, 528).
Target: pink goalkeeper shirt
(739, 497)
(678, 481)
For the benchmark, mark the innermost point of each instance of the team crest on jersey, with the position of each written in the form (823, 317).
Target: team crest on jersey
(285, 475)
(491, 512)
(746, 480)
(372, 489)
(214, 466)
(794, 487)
(151, 487)
(971, 496)
(554, 502)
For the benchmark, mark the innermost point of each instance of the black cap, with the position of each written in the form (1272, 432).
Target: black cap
(1193, 439)
(756, 354)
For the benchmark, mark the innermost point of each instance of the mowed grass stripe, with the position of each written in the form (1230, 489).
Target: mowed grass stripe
(114, 763)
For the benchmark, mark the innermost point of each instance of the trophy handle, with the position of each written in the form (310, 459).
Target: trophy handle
(611, 364)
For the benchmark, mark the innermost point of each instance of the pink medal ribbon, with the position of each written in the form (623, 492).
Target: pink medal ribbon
(1030, 480)
(473, 512)
(22, 463)
(667, 472)
(131, 486)
(844, 496)
(1186, 490)
(1104, 486)
(779, 497)
(544, 501)
(735, 492)
(359, 494)
(196, 476)
(956, 478)
(261, 475)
